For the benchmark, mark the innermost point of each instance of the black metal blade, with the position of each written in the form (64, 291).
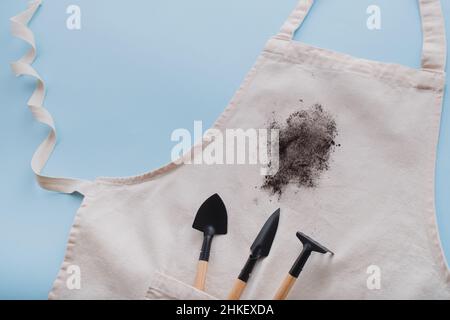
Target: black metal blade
(313, 245)
(212, 216)
(263, 242)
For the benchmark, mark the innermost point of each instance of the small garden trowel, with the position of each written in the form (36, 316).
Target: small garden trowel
(259, 249)
(211, 219)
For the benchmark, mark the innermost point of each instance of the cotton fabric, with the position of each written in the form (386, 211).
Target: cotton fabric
(132, 237)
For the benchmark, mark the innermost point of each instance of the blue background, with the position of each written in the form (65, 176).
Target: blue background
(136, 71)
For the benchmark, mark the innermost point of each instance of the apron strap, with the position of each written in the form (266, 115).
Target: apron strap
(434, 50)
(295, 20)
(23, 67)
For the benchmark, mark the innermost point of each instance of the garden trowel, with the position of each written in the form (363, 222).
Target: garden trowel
(211, 219)
(259, 249)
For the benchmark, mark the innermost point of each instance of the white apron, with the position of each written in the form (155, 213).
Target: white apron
(373, 205)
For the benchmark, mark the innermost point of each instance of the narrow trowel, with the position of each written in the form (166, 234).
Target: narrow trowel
(211, 219)
(259, 249)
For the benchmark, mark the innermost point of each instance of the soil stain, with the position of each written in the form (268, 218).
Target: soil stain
(307, 140)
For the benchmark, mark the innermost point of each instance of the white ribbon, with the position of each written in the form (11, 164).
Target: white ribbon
(19, 29)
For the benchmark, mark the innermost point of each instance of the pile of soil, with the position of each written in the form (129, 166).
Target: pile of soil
(307, 140)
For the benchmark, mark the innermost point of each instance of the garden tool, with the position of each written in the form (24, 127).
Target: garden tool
(259, 249)
(309, 245)
(211, 219)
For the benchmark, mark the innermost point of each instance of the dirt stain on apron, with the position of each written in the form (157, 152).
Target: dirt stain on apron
(307, 140)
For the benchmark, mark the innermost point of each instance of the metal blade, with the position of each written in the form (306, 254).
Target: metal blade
(263, 242)
(212, 216)
(314, 245)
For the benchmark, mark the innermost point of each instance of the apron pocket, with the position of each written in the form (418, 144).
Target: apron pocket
(163, 287)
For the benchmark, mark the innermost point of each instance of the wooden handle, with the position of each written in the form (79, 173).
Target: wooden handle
(237, 290)
(285, 287)
(200, 278)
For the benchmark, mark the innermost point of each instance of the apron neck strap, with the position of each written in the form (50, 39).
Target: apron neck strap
(295, 20)
(23, 67)
(434, 51)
